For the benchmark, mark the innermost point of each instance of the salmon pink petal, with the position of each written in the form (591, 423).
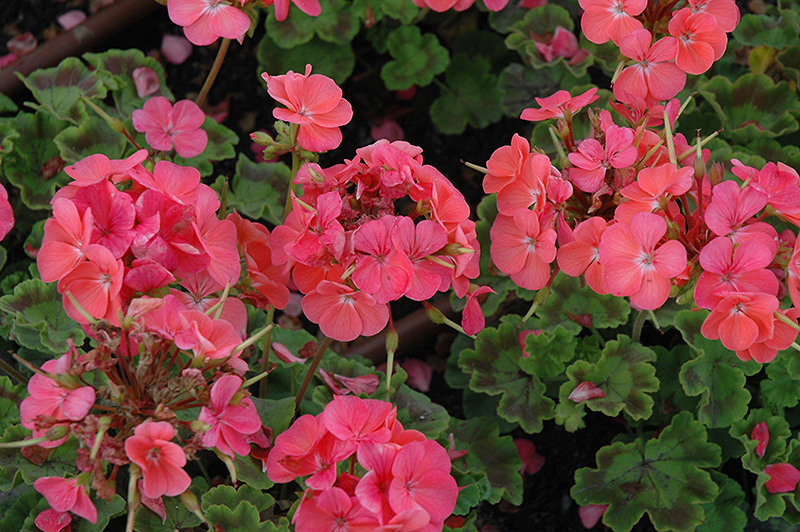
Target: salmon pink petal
(185, 12)
(51, 520)
(316, 138)
(78, 402)
(176, 49)
(783, 478)
(760, 433)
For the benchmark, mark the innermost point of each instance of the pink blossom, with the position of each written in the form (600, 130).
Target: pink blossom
(582, 255)
(610, 19)
(344, 314)
(700, 41)
(422, 480)
(160, 460)
(66, 235)
(334, 511)
(592, 159)
(165, 126)
(70, 19)
(586, 391)
(653, 190)
(351, 418)
(563, 44)
(653, 76)
(382, 270)
(419, 373)
(522, 249)
(315, 103)
(590, 514)
(760, 433)
(51, 520)
(558, 105)
(635, 265)
(309, 7)
(473, 320)
(726, 12)
(95, 285)
(66, 495)
(505, 164)
(205, 21)
(146, 81)
(231, 422)
(783, 478)
(22, 44)
(532, 461)
(741, 319)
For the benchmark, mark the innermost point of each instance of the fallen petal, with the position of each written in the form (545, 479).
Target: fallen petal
(146, 81)
(70, 19)
(176, 49)
(585, 391)
(591, 514)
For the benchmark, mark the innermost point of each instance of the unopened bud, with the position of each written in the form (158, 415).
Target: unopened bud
(57, 432)
(434, 314)
(283, 129)
(116, 124)
(392, 340)
(261, 138)
(699, 167)
(189, 500)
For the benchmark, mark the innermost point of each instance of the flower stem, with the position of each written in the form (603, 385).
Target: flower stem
(323, 346)
(636, 334)
(212, 75)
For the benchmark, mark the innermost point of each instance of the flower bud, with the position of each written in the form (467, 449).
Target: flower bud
(57, 432)
(434, 314)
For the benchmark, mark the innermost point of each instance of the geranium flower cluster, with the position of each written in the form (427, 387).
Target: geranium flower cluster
(351, 253)
(402, 481)
(141, 258)
(679, 42)
(636, 212)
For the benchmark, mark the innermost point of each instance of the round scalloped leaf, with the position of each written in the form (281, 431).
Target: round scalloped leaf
(725, 511)
(781, 387)
(93, 135)
(752, 107)
(625, 373)
(663, 477)
(778, 32)
(789, 60)
(258, 190)
(59, 89)
(548, 353)
(231, 497)
(333, 60)
(473, 97)
(716, 375)
(779, 434)
(401, 10)
(417, 58)
(336, 23)
(59, 462)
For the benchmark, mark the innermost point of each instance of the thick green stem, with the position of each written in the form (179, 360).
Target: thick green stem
(212, 75)
(636, 334)
(323, 346)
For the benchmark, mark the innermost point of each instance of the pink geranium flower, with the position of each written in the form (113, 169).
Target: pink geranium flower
(230, 422)
(51, 520)
(6, 213)
(557, 105)
(164, 126)
(95, 284)
(582, 255)
(635, 265)
(160, 459)
(205, 21)
(700, 40)
(592, 159)
(505, 164)
(741, 319)
(382, 269)
(66, 495)
(309, 7)
(315, 103)
(422, 480)
(760, 433)
(653, 76)
(523, 249)
(66, 236)
(605, 20)
(334, 511)
(344, 314)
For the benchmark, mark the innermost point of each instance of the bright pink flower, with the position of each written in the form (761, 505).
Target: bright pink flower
(732, 207)
(780, 184)
(351, 418)
(164, 125)
(522, 249)
(557, 105)
(231, 423)
(382, 270)
(422, 480)
(726, 269)
(532, 461)
(741, 319)
(610, 19)
(334, 511)
(592, 159)
(315, 103)
(95, 285)
(344, 314)
(309, 7)
(585, 391)
(160, 459)
(209, 338)
(66, 235)
(700, 41)
(341, 385)
(505, 164)
(563, 44)
(66, 495)
(783, 336)
(653, 76)
(95, 168)
(635, 265)
(528, 189)
(783, 478)
(6, 213)
(473, 320)
(113, 216)
(761, 435)
(417, 242)
(205, 21)
(582, 255)
(146, 81)
(725, 11)
(653, 190)
(51, 520)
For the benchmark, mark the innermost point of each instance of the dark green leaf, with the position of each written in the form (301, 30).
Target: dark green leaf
(417, 58)
(571, 305)
(416, 411)
(59, 89)
(663, 476)
(231, 497)
(259, 189)
(724, 513)
(60, 461)
(92, 136)
(333, 60)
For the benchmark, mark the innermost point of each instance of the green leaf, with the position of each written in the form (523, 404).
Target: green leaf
(396, 9)
(663, 477)
(779, 434)
(24, 508)
(178, 516)
(752, 107)
(59, 89)
(275, 414)
(494, 369)
(231, 497)
(416, 411)
(337, 23)
(778, 32)
(781, 387)
(10, 397)
(34, 150)
(333, 60)
(243, 518)
(39, 319)
(7, 105)
(417, 58)
(521, 85)
(491, 455)
(259, 189)
(548, 353)
(221, 141)
(625, 373)
(473, 97)
(105, 511)
(7, 136)
(724, 513)
(716, 375)
(789, 60)
(60, 461)
(115, 67)
(93, 135)
(571, 305)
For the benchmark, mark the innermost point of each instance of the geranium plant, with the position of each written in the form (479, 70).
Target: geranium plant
(180, 326)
